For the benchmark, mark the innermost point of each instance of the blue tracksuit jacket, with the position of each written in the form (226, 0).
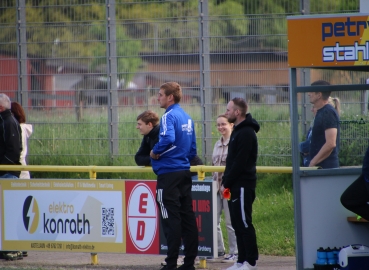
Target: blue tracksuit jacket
(177, 141)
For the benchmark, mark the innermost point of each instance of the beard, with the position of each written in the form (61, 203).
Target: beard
(231, 119)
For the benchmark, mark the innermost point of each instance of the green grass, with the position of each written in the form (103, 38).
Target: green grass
(59, 140)
(273, 216)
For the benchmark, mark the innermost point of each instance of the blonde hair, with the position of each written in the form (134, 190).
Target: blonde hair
(336, 103)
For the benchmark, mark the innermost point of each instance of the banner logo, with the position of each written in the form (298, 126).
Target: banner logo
(31, 214)
(142, 217)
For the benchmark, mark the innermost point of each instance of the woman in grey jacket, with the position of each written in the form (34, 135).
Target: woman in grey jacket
(219, 159)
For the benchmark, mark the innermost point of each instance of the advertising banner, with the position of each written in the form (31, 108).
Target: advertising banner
(205, 210)
(142, 217)
(65, 215)
(328, 40)
(118, 216)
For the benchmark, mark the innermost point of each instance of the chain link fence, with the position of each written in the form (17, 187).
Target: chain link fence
(84, 69)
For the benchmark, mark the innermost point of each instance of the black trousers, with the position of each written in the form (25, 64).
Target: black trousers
(240, 208)
(356, 197)
(174, 199)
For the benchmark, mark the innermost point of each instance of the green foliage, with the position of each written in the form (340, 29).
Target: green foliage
(162, 25)
(270, 31)
(66, 31)
(354, 142)
(128, 59)
(229, 24)
(318, 6)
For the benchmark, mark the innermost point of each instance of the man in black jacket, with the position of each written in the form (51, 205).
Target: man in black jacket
(240, 177)
(148, 124)
(10, 139)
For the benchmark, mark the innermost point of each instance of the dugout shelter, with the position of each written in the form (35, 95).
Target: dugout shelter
(328, 42)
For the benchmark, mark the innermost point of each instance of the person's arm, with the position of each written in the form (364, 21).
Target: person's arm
(142, 156)
(245, 143)
(167, 137)
(327, 148)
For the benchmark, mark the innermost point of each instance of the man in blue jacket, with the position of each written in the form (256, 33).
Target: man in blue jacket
(170, 159)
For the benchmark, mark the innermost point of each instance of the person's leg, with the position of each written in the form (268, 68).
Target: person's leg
(188, 221)
(219, 229)
(241, 217)
(231, 234)
(356, 197)
(234, 214)
(167, 197)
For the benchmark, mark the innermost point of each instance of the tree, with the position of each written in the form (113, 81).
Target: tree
(60, 31)
(174, 26)
(128, 59)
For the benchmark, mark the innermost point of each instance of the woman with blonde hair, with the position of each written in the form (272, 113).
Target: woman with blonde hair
(336, 103)
(219, 157)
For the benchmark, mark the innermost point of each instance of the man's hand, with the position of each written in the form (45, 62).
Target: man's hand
(222, 189)
(153, 156)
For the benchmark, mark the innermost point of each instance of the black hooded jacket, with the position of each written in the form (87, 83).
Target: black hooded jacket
(142, 156)
(240, 170)
(10, 141)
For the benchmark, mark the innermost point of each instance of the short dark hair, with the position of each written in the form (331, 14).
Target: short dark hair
(241, 104)
(172, 88)
(325, 94)
(149, 117)
(18, 112)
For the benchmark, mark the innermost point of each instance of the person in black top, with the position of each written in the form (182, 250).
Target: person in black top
(356, 197)
(325, 134)
(240, 178)
(148, 124)
(10, 139)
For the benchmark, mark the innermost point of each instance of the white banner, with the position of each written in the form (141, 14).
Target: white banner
(71, 215)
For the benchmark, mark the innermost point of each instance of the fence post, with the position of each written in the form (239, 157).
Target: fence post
(22, 94)
(305, 79)
(112, 73)
(205, 84)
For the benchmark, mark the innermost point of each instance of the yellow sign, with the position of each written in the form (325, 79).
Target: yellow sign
(328, 41)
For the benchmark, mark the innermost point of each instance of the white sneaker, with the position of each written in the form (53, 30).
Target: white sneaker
(247, 266)
(235, 266)
(231, 258)
(180, 260)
